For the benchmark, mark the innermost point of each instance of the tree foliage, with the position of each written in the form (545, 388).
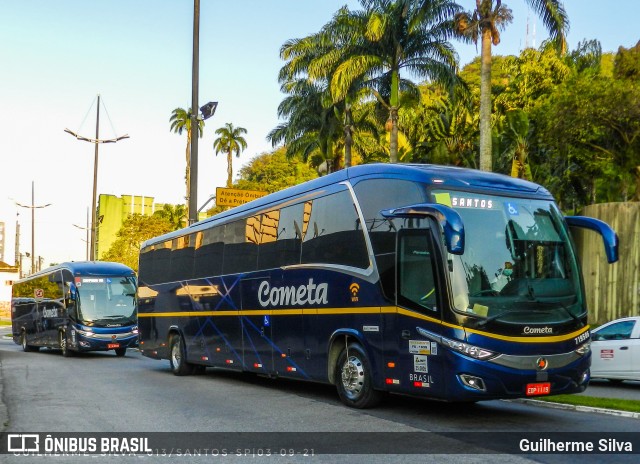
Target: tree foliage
(231, 142)
(272, 172)
(134, 231)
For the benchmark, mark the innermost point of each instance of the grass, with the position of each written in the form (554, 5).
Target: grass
(594, 402)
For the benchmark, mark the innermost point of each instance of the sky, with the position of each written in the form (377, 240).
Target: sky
(57, 56)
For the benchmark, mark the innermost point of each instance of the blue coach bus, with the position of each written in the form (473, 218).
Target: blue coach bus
(423, 280)
(76, 307)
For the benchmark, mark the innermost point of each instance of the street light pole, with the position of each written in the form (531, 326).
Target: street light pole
(95, 141)
(87, 229)
(95, 186)
(33, 225)
(195, 133)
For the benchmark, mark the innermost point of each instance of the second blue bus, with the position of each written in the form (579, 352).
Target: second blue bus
(77, 307)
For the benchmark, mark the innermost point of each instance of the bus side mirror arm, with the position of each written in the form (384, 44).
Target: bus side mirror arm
(447, 217)
(609, 236)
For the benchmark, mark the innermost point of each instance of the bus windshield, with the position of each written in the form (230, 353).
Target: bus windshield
(106, 301)
(518, 265)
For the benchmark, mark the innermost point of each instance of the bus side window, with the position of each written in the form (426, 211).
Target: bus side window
(417, 287)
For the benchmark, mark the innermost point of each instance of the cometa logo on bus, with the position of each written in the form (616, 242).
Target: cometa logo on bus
(292, 296)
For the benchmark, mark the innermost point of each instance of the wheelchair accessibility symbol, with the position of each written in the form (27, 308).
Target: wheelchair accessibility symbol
(512, 208)
(267, 321)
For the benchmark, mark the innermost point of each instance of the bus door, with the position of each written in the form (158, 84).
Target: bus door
(257, 326)
(419, 364)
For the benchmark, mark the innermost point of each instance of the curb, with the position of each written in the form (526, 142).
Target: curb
(572, 407)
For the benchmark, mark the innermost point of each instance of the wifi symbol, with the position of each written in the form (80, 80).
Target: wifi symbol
(354, 287)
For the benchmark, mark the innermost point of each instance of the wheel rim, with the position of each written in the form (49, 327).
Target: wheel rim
(176, 356)
(353, 377)
(23, 339)
(63, 342)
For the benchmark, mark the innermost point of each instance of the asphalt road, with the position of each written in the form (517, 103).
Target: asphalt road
(99, 392)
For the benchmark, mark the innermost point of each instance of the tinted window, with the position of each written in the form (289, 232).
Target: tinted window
(241, 246)
(416, 283)
(375, 195)
(209, 248)
(333, 233)
(182, 258)
(281, 237)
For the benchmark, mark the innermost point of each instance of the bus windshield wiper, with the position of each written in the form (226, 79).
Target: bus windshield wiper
(564, 308)
(484, 322)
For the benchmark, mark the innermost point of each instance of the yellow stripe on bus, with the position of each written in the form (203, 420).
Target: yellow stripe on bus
(364, 310)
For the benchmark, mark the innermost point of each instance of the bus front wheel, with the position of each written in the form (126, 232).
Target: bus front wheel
(353, 378)
(25, 346)
(120, 352)
(179, 365)
(64, 344)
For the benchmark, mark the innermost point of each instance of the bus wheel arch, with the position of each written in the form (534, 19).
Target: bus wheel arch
(337, 344)
(178, 355)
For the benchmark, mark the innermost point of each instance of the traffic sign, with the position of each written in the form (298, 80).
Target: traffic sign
(236, 197)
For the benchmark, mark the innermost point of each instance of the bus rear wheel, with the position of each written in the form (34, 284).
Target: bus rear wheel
(177, 358)
(353, 378)
(25, 346)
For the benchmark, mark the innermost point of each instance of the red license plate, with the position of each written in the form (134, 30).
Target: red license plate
(534, 389)
(113, 345)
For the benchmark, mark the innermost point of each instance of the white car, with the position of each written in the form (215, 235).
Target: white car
(615, 348)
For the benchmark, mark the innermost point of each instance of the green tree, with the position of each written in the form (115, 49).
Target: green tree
(230, 142)
(484, 23)
(385, 38)
(515, 138)
(135, 229)
(590, 127)
(627, 63)
(311, 128)
(533, 76)
(176, 215)
(181, 121)
(272, 172)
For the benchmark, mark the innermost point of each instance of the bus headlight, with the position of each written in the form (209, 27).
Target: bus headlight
(470, 350)
(135, 330)
(85, 333)
(584, 349)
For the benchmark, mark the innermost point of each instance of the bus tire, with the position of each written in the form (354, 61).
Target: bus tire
(25, 346)
(177, 357)
(353, 378)
(120, 352)
(64, 344)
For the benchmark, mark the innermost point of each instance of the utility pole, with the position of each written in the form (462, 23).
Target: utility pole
(195, 129)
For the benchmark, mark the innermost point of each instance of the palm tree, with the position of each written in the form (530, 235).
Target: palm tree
(298, 76)
(516, 138)
(181, 121)
(484, 23)
(311, 129)
(175, 215)
(382, 40)
(230, 142)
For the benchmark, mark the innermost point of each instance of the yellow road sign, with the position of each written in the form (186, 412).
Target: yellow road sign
(236, 197)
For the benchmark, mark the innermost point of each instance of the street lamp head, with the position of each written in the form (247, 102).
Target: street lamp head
(208, 110)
